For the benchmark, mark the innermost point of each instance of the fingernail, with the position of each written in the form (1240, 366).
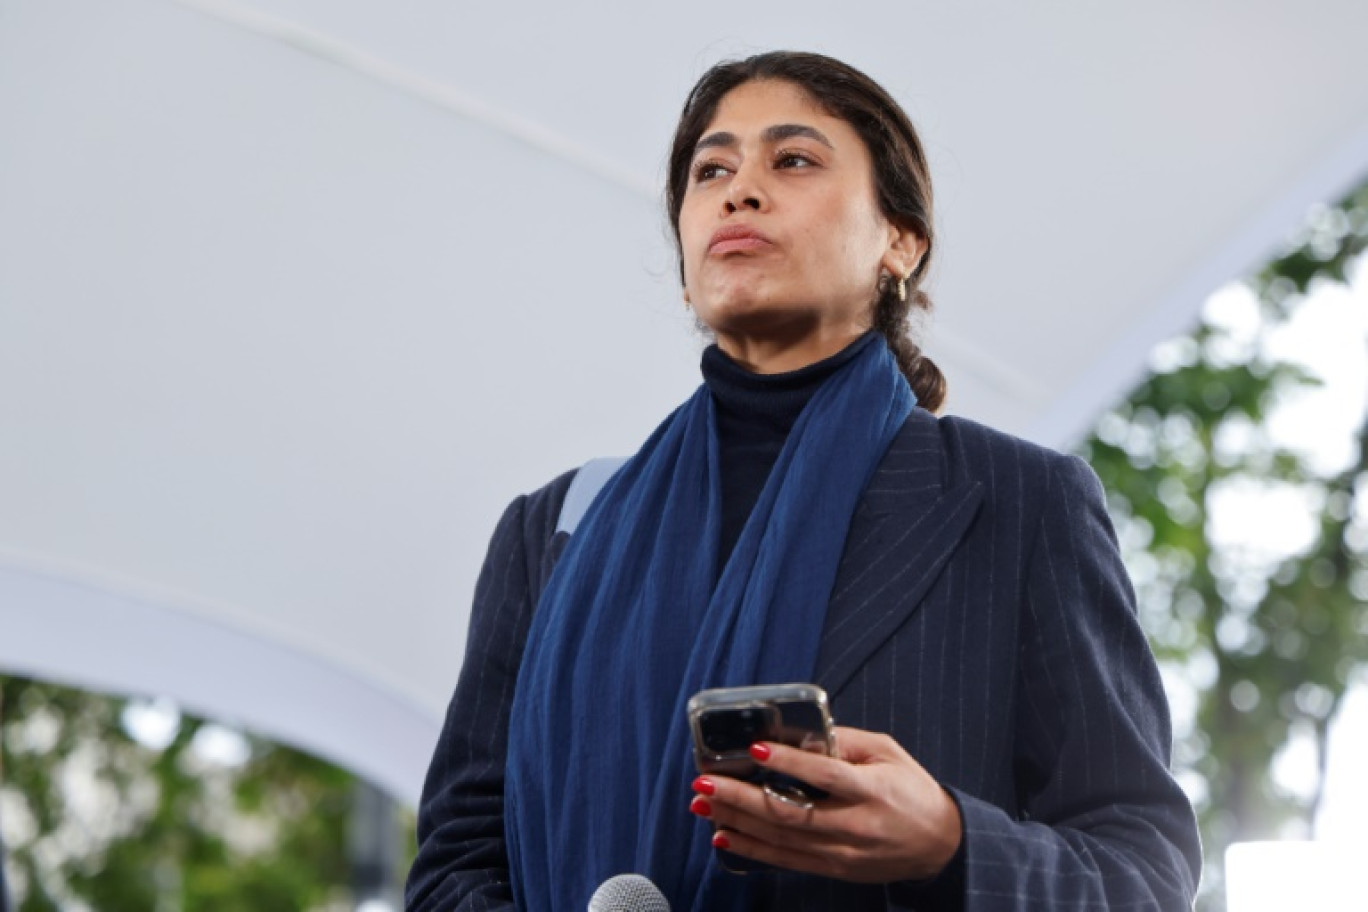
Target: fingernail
(700, 806)
(720, 841)
(760, 751)
(704, 786)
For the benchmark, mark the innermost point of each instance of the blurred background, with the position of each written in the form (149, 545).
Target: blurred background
(296, 295)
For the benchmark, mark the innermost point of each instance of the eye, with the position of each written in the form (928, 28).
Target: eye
(707, 170)
(788, 158)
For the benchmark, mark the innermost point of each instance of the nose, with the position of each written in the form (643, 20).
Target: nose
(746, 190)
(742, 201)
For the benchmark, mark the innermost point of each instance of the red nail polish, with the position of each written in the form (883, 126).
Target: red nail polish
(700, 806)
(760, 751)
(704, 786)
(720, 841)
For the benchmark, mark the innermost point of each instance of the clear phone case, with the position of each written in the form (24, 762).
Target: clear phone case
(726, 721)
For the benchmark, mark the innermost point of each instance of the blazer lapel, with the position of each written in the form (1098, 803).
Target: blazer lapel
(907, 525)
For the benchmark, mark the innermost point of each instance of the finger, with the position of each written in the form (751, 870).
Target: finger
(822, 862)
(747, 807)
(779, 835)
(835, 776)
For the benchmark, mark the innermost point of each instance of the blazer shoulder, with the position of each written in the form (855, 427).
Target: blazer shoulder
(549, 498)
(540, 511)
(977, 452)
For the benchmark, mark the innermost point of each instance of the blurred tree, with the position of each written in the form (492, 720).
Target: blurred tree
(96, 818)
(1266, 648)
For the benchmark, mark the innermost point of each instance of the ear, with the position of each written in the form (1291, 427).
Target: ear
(904, 253)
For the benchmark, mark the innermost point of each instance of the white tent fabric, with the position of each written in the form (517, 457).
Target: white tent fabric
(296, 295)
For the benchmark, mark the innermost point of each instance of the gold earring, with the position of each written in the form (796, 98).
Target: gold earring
(902, 289)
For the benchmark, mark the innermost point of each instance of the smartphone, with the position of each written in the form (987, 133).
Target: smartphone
(726, 721)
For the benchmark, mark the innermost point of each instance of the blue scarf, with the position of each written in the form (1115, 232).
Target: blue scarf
(631, 625)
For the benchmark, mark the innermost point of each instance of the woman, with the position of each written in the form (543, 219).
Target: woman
(806, 517)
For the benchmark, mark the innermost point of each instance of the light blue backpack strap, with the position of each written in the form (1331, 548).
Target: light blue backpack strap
(584, 487)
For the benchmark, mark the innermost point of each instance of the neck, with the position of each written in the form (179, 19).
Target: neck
(776, 354)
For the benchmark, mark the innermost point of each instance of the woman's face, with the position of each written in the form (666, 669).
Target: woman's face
(781, 236)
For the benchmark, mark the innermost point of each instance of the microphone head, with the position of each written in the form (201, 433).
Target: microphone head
(628, 893)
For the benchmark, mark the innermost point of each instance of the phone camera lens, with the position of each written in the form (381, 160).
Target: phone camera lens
(733, 730)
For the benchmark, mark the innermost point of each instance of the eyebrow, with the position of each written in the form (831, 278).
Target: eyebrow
(776, 133)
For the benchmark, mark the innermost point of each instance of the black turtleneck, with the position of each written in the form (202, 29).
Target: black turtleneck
(755, 413)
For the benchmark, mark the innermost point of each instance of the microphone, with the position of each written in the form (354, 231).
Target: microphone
(628, 893)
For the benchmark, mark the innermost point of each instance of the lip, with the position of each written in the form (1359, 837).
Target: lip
(737, 238)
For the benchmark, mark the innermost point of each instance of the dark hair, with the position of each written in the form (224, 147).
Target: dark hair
(902, 180)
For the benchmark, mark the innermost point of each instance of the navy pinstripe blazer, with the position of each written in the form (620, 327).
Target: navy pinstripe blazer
(981, 616)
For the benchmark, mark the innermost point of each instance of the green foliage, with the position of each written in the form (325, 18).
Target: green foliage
(1268, 649)
(96, 819)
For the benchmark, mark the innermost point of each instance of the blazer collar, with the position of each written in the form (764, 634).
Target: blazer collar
(912, 472)
(910, 520)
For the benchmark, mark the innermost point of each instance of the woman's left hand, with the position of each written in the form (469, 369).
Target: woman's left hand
(887, 819)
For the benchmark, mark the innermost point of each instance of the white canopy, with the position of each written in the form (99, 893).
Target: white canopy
(295, 296)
